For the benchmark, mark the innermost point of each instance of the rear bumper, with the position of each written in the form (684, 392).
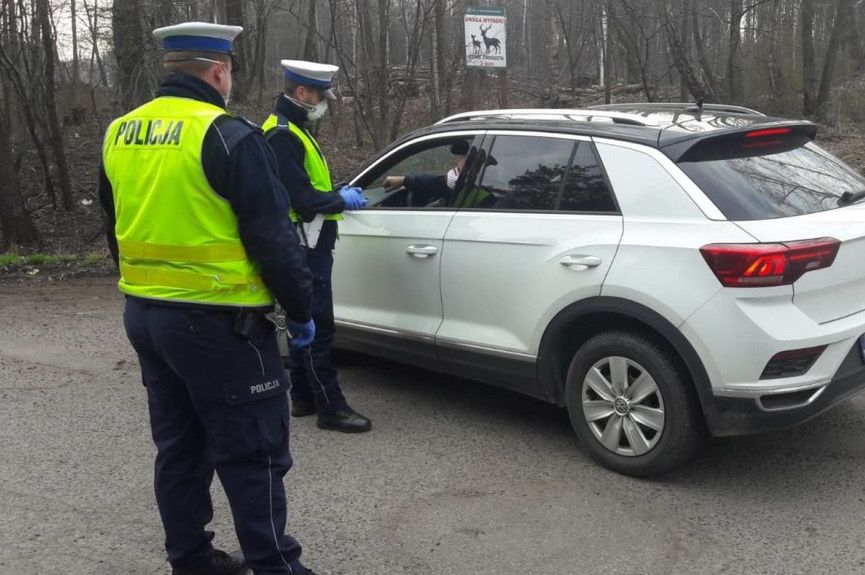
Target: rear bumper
(761, 413)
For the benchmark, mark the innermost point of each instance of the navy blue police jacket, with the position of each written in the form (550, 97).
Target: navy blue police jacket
(290, 155)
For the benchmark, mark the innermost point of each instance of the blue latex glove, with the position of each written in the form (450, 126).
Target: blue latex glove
(301, 334)
(353, 198)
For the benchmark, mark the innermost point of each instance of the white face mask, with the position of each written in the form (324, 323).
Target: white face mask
(317, 112)
(452, 177)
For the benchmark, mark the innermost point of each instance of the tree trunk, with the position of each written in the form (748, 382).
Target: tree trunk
(437, 58)
(54, 126)
(240, 71)
(94, 40)
(736, 14)
(775, 75)
(712, 84)
(262, 17)
(551, 97)
(310, 46)
(504, 99)
(129, 49)
(843, 8)
(381, 77)
(606, 69)
(685, 84)
(16, 224)
(76, 70)
(527, 47)
(851, 38)
(806, 16)
(680, 58)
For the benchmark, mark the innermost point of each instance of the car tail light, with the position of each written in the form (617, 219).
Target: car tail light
(764, 265)
(768, 132)
(792, 362)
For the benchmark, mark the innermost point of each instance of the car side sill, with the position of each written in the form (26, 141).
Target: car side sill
(517, 372)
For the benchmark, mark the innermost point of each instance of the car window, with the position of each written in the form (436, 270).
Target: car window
(424, 167)
(520, 173)
(774, 183)
(585, 188)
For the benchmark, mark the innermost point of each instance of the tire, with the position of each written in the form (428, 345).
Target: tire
(630, 405)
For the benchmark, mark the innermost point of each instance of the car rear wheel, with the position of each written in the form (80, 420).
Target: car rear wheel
(631, 406)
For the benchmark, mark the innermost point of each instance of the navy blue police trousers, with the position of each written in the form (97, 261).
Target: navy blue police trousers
(217, 402)
(313, 377)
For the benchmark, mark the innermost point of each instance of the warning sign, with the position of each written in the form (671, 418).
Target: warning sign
(485, 29)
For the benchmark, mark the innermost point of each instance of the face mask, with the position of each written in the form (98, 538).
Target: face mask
(452, 176)
(317, 112)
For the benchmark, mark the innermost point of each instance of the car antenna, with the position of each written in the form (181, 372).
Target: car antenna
(698, 108)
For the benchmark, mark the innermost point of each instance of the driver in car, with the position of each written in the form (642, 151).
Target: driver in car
(428, 189)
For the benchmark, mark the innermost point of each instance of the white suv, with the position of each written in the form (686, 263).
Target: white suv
(663, 271)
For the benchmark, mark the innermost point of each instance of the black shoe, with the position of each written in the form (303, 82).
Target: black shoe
(345, 420)
(301, 408)
(220, 563)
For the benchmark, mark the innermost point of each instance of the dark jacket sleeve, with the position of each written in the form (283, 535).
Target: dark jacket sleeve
(305, 199)
(427, 188)
(249, 179)
(106, 199)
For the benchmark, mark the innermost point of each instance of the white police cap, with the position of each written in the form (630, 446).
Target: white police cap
(198, 36)
(311, 74)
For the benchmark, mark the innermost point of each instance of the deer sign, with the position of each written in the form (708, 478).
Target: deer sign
(490, 42)
(476, 44)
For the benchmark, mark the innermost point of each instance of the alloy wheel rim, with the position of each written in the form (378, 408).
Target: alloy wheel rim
(623, 406)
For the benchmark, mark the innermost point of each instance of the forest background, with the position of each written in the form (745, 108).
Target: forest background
(67, 67)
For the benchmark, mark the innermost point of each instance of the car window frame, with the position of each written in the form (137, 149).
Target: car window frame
(399, 153)
(489, 140)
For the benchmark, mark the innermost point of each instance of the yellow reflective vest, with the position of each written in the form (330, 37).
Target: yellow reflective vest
(177, 238)
(313, 160)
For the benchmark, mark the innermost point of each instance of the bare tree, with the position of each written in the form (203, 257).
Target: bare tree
(16, 223)
(842, 9)
(129, 50)
(54, 127)
(678, 52)
(809, 74)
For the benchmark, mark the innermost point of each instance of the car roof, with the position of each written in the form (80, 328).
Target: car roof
(672, 127)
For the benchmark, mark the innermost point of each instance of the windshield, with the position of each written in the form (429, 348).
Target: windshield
(776, 183)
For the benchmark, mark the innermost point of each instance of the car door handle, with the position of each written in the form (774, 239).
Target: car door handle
(580, 262)
(422, 250)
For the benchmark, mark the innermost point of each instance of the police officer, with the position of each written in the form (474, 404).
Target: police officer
(196, 224)
(316, 209)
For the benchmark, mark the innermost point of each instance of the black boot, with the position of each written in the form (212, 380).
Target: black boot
(345, 420)
(220, 563)
(301, 408)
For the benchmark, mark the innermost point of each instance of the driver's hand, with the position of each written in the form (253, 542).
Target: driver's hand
(392, 183)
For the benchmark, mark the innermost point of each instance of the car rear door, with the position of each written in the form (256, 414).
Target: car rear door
(537, 230)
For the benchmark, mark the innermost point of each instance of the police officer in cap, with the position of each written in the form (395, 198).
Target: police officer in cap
(196, 224)
(316, 209)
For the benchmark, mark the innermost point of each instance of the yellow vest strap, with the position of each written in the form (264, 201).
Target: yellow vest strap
(187, 254)
(146, 275)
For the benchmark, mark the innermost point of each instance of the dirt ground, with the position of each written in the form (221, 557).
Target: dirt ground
(455, 478)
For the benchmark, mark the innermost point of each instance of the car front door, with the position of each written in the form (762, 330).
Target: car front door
(387, 272)
(537, 231)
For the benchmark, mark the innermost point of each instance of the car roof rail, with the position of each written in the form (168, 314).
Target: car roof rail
(682, 106)
(555, 114)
